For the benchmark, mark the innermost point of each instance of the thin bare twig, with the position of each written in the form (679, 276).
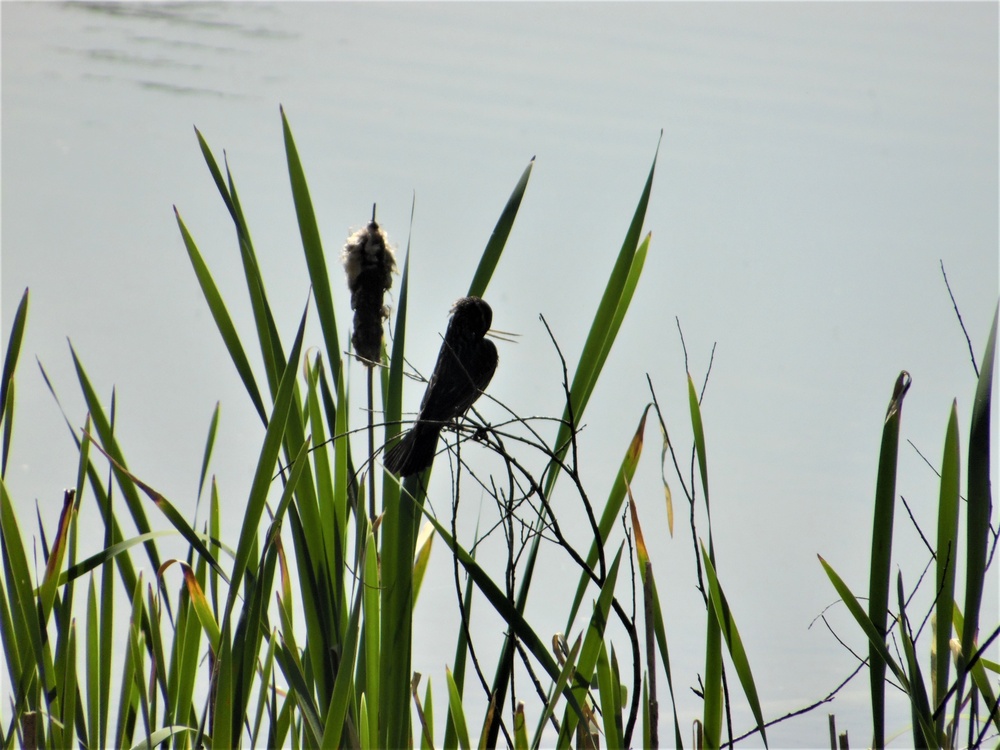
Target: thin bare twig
(961, 322)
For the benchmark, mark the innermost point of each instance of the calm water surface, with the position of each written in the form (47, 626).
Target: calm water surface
(817, 162)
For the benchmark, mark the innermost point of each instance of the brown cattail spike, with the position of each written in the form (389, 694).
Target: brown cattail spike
(369, 262)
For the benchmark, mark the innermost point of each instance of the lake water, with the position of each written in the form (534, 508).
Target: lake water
(817, 163)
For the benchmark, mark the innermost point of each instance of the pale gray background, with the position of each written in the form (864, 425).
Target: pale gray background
(817, 162)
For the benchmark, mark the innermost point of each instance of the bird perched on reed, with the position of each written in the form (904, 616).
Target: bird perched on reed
(464, 368)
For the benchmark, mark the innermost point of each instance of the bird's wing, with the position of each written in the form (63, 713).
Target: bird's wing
(455, 385)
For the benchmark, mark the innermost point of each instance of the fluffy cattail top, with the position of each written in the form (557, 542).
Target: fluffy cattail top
(369, 262)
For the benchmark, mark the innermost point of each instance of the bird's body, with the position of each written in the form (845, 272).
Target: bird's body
(464, 368)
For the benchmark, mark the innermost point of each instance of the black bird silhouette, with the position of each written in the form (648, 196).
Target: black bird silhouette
(464, 368)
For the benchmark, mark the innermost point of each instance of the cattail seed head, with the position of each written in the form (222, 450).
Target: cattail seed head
(369, 262)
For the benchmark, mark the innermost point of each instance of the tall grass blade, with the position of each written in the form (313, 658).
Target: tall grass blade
(610, 312)
(457, 676)
(423, 556)
(399, 526)
(223, 321)
(724, 616)
(372, 625)
(612, 511)
(979, 676)
(24, 615)
(566, 674)
(267, 333)
(47, 591)
(698, 428)
(498, 600)
(165, 507)
(881, 558)
(593, 643)
(265, 467)
(978, 507)
(160, 736)
(520, 729)
(103, 426)
(313, 247)
(456, 713)
(875, 637)
(713, 692)
(610, 693)
(213, 428)
(337, 718)
(92, 654)
(498, 240)
(604, 329)
(7, 378)
(920, 709)
(659, 629)
(947, 561)
(613, 305)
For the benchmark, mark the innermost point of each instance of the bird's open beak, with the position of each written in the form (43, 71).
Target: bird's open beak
(510, 338)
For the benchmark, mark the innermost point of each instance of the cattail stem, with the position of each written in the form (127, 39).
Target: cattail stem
(371, 445)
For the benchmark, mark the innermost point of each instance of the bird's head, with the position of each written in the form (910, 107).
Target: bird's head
(471, 318)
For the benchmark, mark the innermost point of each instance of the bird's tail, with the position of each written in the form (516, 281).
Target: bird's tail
(414, 452)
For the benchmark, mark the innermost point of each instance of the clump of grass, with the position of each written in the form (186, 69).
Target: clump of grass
(212, 646)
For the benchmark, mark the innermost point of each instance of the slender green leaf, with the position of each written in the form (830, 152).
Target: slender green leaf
(424, 541)
(105, 432)
(209, 444)
(372, 625)
(67, 686)
(979, 676)
(598, 343)
(7, 378)
(498, 600)
(861, 617)
(457, 711)
(313, 247)
(18, 579)
(162, 735)
(265, 468)
(724, 616)
(612, 510)
(93, 660)
(593, 642)
(168, 510)
(566, 673)
(364, 726)
(947, 559)
(920, 709)
(655, 613)
(699, 441)
(222, 720)
(978, 506)
(223, 321)
(520, 728)
(427, 718)
(461, 652)
(881, 559)
(610, 692)
(336, 713)
(498, 240)
(107, 554)
(200, 603)
(47, 591)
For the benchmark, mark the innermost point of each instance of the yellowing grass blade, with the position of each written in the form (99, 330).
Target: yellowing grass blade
(611, 513)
